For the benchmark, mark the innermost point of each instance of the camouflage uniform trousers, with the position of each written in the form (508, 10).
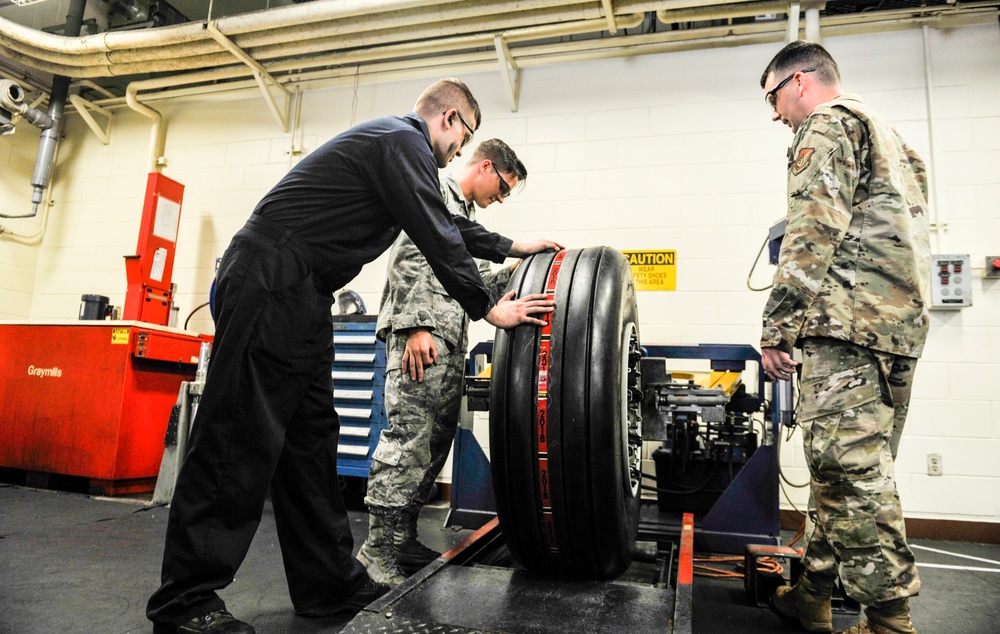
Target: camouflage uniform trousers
(852, 409)
(423, 418)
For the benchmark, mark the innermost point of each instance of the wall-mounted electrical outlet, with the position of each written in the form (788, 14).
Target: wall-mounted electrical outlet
(934, 466)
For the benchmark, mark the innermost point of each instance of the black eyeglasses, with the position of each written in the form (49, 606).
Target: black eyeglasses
(466, 140)
(504, 187)
(771, 96)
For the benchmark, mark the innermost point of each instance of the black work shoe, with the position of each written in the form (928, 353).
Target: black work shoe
(368, 592)
(217, 622)
(412, 555)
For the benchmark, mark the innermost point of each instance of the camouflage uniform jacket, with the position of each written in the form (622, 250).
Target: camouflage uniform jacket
(414, 298)
(855, 259)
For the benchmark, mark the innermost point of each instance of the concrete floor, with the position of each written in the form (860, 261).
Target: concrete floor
(70, 563)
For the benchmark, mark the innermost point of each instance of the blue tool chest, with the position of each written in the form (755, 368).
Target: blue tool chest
(358, 388)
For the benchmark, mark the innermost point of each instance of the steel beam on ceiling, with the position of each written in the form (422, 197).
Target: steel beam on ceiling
(609, 13)
(509, 71)
(264, 79)
(792, 35)
(83, 108)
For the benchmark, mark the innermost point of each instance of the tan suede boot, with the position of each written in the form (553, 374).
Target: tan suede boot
(892, 617)
(808, 601)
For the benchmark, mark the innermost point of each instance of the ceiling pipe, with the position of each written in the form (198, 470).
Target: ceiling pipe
(722, 11)
(812, 20)
(226, 81)
(347, 62)
(368, 15)
(345, 33)
(794, 9)
(12, 99)
(609, 14)
(299, 14)
(674, 5)
(938, 224)
(41, 176)
(158, 132)
(314, 38)
(431, 38)
(262, 27)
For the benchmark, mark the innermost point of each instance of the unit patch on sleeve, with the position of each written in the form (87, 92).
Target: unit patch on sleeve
(802, 160)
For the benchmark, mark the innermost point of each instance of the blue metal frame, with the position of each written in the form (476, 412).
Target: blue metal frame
(472, 502)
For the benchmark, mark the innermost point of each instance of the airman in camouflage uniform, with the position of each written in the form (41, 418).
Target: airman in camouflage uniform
(851, 290)
(426, 340)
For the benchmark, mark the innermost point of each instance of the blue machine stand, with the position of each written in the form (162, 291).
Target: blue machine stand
(472, 501)
(747, 511)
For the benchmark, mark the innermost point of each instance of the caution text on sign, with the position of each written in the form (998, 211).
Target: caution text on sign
(653, 270)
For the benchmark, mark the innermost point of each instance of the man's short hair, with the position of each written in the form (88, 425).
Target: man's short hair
(501, 155)
(798, 55)
(444, 94)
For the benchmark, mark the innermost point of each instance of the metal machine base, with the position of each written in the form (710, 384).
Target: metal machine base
(476, 587)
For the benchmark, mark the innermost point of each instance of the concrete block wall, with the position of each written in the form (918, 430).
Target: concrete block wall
(18, 257)
(673, 151)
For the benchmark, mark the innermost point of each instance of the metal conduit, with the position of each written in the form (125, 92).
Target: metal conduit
(297, 71)
(422, 37)
(182, 48)
(286, 24)
(49, 139)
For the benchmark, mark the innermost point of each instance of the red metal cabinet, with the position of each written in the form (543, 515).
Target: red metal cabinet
(91, 398)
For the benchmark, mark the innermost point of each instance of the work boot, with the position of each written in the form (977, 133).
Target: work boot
(807, 601)
(892, 617)
(217, 622)
(378, 553)
(410, 553)
(369, 591)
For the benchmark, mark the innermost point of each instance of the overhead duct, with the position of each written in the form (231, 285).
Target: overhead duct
(12, 102)
(50, 134)
(343, 26)
(322, 42)
(57, 103)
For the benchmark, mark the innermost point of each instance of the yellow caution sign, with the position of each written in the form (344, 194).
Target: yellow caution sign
(119, 335)
(653, 270)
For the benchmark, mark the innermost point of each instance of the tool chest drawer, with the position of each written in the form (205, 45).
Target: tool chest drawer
(358, 387)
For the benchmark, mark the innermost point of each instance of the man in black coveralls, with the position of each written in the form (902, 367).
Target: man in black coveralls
(266, 416)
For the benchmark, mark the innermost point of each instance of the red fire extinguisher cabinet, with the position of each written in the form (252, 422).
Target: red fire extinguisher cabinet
(91, 398)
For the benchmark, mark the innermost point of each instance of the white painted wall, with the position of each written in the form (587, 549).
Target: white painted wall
(18, 258)
(672, 151)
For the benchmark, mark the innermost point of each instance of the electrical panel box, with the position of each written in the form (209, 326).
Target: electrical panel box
(951, 281)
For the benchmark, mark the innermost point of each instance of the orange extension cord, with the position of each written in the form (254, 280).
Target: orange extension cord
(764, 564)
